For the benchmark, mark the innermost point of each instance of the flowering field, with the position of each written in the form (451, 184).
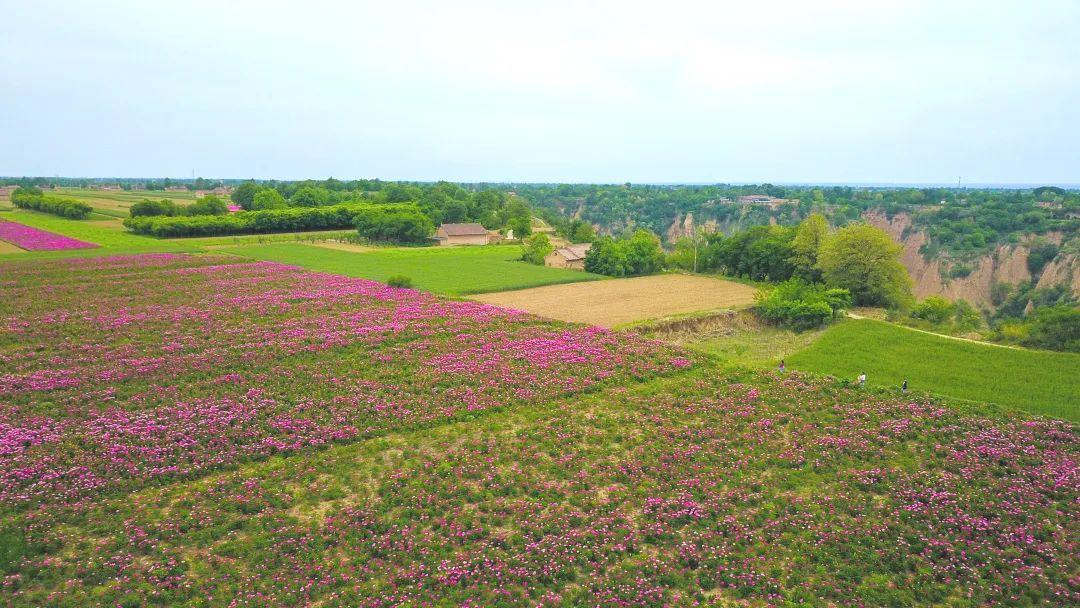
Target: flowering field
(115, 372)
(34, 239)
(159, 419)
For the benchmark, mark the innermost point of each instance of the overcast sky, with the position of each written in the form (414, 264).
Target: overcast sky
(668, 91)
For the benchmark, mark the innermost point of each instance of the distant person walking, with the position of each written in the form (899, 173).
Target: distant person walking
(862, 379)
(782, 366)
(903, 387)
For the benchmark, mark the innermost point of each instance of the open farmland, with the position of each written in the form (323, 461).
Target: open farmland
(198, 430)
(443, 270)
(1039, 381)
(117, 203)
(108, 234)
(618, 302)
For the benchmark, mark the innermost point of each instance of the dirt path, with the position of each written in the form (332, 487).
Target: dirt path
(852, 315)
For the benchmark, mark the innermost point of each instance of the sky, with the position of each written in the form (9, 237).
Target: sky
(549, 91)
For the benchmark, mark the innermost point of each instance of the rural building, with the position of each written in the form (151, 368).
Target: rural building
(462, 234)
(571, 256)
(764, 200)
(6, 191)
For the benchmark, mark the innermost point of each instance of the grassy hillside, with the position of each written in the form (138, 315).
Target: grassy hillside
(445, 270)
(1038, 381)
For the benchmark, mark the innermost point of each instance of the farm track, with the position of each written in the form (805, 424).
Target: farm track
(852, 315)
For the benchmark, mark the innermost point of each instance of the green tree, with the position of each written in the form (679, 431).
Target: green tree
(578, 231)
(522, 226)
(1055, 328)
(311, 196)
(809, 235)
(267, 198)
(244, 194)
(800, 305)
(207, 205)
(535, 248)
(607, 257)
(149, 208)
(865, 261)
(395, 223)
(636, 254)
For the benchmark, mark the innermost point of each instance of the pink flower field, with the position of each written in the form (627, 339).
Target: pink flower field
(35, 239)
(204, 431)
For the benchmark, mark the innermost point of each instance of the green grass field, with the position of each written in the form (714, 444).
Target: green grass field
(109, 233)
(449, 270)
(1037, 381)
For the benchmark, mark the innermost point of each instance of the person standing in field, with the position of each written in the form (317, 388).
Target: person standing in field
(903, 387)
(862, 379)
(782, 366)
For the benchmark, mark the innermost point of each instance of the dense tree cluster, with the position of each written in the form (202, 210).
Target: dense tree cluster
(401, 223)
(801, 305)
(634, 254)
(252, 222)
(33, 198)
(958, 221)
(208, 205)
(442, 202)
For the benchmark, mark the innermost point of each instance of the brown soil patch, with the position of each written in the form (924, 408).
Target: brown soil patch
(6, 247)
(621, 301)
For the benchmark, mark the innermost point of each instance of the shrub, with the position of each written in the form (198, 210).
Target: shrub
(25, 198)
(965, 316)
(934, 309)
(1040, 254)
(1055, 328)
(249, 222)
(399, 280)
(800, 305)
(149, 208)
(536, 248)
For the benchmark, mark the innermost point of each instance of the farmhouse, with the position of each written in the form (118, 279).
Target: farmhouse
(462, 234)
(571, 256)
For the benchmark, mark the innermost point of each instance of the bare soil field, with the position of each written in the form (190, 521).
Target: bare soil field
(621, 301)
(6, 247)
